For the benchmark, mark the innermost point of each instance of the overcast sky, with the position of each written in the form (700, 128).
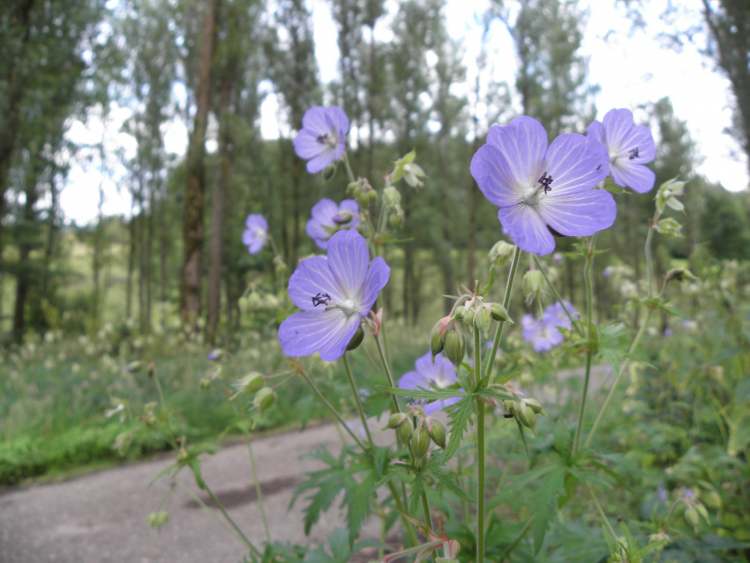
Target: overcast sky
(631, 67)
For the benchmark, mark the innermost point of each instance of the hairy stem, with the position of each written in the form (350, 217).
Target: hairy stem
(648, 251)
(258, 491)
(557, 295)
(232, 523)
(481, 449)
(589, 285)
(487, 379)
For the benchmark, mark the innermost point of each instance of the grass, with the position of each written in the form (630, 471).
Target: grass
(86, 402)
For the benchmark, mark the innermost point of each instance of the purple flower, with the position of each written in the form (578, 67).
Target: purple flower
(629, 147)
(542, 190)
(328, 218)
(335, 293)
(256, 233)
(544, 333)
(322, 139)
(431, 373)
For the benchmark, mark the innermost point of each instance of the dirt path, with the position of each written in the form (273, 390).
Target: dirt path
(101, 517)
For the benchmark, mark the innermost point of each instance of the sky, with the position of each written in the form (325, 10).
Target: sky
(631, 67)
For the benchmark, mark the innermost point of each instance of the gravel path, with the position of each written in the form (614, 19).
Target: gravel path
(101, 517)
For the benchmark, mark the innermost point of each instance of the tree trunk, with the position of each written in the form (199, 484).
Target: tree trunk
(192, 221)
(14, 90)
(217, 211)
(25, 246)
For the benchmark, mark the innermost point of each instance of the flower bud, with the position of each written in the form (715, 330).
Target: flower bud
(692, 516)
(397, 419)
(420, 442)
(533, 281)
(264, 399)
(405, 430)
(535, 405)
(712, 499)
(499, 313)
(249, 384)
(526, 415)
(483, 318)
(391, 197)
(356, 340)
(158, 519)
(679, 275)
(436, 430)
(454, 346)
(501, 253)
(437, 335)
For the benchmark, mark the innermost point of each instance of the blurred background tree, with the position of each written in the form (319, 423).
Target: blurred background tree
(146, 70)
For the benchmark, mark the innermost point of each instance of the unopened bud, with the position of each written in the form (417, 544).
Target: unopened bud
(437, 335)
(404, 430)
(436, 430)
(397, 419)
(483, 319)
(251, 383)
(454, 346)
(158, 519)
(264, 399)
(420, 442)
(692, 516)
(679, 275)
(356, 340)
(501, 253)
(391, 197)
(533, 281)
(499, 313)
(526, 415)
(712, 499)
(535, 405)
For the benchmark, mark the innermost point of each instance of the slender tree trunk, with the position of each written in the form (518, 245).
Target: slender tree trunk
(14, 90)
(96, 262)
(217, 211)
(131, 265)
(163, 244)
(192, 221)
(25, 246)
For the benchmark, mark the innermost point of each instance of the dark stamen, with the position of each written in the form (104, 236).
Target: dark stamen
(546, 182)
(323, 139)
(321, 299)
(633, 153)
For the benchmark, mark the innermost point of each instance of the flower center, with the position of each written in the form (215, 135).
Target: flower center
(633, 154)
(259, 233)
(543, 185)
(328, 139)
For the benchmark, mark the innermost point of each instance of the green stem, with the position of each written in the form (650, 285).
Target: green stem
(603, 516)
(557, 295)
(389, 374)
(590, 337)
(349, 172)
(620, 372)
(358, 401)
(487, 379)
(333, 410)
(648, 251)
(514, 545)
(258, 492)
(231, 522)
(391, 487)
(395, 408)
(481, 449)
